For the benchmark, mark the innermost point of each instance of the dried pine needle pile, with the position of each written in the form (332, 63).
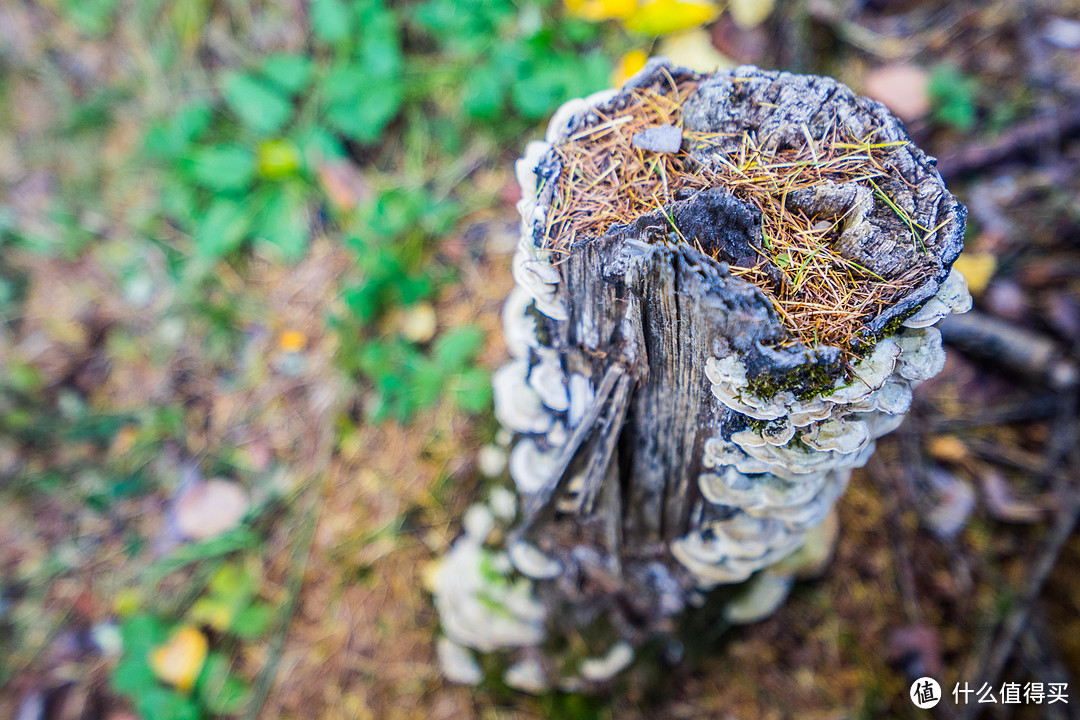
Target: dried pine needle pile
(825, 298)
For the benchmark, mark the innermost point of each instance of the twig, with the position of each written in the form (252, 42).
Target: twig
(1022, 139)
(1040, 659)
(298, 562)
(1014, 623)
(905, 575)
(1016, 349)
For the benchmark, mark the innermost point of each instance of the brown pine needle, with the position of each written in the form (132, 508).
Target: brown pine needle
(825, 298)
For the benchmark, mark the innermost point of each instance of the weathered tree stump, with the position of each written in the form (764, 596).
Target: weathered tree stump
(724, 290)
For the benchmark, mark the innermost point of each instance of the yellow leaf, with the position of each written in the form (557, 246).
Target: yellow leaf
(627, 66)
(977, 268)
(127, 602)
(179, 660)
(597, 10)
(662, 17)
(213, 612)
(693, 49)
(749, 14)
(278, 159)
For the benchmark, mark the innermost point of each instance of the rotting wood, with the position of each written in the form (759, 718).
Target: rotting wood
(704, 344)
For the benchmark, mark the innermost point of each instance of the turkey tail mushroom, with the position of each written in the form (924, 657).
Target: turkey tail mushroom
(707, 337)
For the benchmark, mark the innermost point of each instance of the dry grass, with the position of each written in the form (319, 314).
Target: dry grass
(823, 298)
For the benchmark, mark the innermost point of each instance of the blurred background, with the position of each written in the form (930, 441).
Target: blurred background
(251, 262)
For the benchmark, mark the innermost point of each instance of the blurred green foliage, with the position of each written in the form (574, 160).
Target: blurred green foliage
(952, 94)
(193, 156)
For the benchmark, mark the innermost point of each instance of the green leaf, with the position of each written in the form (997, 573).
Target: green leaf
(331, 20)
(222, 168)
(288, 71)
(380, 41)
(473, 391)
(484, 92)
(172, 139)
(239, 538)
(132, 675)
(259, 106)
(222, 229)
(361, 106)
(219, 691)
(91, 17)
(536, 94)
(162, 704)
(455, 348)
(253, 621)
(427, 385)
(284, 221)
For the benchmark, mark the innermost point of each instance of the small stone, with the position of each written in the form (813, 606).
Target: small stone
(659, 139)
(901, 88)
(419, 323)
(208, 509)
(1063, 33)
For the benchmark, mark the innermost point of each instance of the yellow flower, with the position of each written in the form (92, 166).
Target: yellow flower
(661, 17)
(292, 341)
(629, 64)
(597, 10)
(179, 660)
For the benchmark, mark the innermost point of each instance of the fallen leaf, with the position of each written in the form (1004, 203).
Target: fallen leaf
(179, 660)
(663, 17)
(628, 66)
(916, 649)
(901, 88)
(208, 509)
(694, 49)
(749, 14)
(343, 184)
(947, 448)
(1003, 504)
(977, 268)
(292, 341)
(955, 500)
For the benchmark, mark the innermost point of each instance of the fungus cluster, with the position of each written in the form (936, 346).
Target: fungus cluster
(706, 337)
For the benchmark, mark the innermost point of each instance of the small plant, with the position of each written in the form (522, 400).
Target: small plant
(180, 670)
(953, 96)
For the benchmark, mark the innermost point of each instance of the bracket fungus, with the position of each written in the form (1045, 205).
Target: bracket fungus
(726, 287)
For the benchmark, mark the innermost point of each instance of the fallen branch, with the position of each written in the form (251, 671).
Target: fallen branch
(1015, 349)
(1022, 139)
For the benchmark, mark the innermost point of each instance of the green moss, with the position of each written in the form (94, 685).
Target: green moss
(805, 381)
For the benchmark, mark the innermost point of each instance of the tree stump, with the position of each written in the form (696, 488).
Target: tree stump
(725, 287)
